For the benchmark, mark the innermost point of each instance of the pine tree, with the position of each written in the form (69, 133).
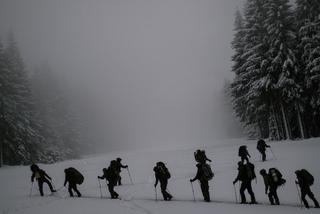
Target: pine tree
(307, 25)
(22, 139)
(250, 84)
(283, 67)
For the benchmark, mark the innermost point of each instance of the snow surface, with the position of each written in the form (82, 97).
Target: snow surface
(139, 198)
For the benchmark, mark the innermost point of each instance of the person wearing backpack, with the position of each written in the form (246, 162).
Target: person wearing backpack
(118, 166)
(162, 174)
(204, 174)
(261, 146)
(42, 177)
(272, 181)
(111, 176)
(245, 174)
(244, 154)
(305, 180)
(200, 156)
(73, 177)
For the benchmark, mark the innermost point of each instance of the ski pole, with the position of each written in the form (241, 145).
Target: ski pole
(155, 192)
(235, 193)
(194, 198)
(129, 175)
(299, 195)
(100, 188)
(30, 194)
(212, 192)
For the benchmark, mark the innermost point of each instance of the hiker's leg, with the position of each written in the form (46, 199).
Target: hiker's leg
(70, 189)
(249, 188)
(119, 181)
(40, 184)
(242, 189)
(311, 196)
(303, 197)
(271, 198)
(205, 190)
(263, 155)
(76, 190)
(49, 184)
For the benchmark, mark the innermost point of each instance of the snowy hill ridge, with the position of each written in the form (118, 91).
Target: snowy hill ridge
(139, 198)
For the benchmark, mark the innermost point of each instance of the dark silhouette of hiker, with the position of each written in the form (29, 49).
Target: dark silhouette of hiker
(73, 177)
(111, 175)
(162, 174)
(262, 146)
(244, 154)
(204, 181)
(200, 156)
(42, 177)
(272, 181)
(305, 180)
(245, 174)
(118, 168)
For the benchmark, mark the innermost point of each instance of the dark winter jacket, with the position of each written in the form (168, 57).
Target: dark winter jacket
(243, 152)
(162, 174)
(242, 174)
(261, 145)
(118, 166)
(40, 175)
(199, 176)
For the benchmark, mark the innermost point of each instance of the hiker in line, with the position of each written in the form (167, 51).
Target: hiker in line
(73, 177)
(245, 174)
(305, 180)
(200, 156)
(162, 174)
(244, 154)
(272, 181)
(42, 177)
(204, 174)
(118, 168)
(261, 146)
(111, 175)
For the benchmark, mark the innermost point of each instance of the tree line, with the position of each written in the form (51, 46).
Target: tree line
(37, 123)
(276, 63)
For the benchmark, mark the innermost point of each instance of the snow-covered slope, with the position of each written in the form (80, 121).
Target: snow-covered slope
(139, 198)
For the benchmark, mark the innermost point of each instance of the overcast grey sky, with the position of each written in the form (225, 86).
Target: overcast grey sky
(155, 67)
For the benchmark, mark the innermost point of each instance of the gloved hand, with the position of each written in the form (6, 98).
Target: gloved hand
(234, 182)
(191, 180)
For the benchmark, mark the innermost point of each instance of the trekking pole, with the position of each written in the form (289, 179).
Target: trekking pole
(194, 198)
(235, 193)
(129, 175)
(100, 188)
(273, 154)
(30, 194)
(299, 195)
(155, 192)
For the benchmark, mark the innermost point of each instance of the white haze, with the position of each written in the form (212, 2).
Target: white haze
(154, 69)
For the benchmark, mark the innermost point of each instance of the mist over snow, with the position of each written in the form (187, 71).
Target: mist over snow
(145, 73)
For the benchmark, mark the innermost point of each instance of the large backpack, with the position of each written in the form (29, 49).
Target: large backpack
(207, 171)
(78, 177)
(276, 176)
(307, 177)
(260, 145)
(250, 171)
(242, 150)
(163, 170)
